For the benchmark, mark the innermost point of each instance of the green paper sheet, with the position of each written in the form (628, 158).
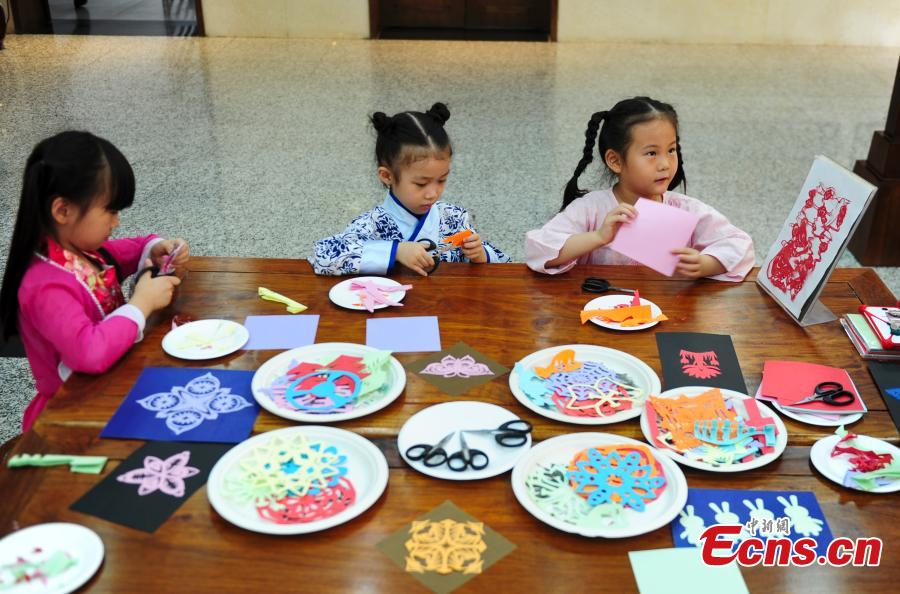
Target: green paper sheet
(682, 571)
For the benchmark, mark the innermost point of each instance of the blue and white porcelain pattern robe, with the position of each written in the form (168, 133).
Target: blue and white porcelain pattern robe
(369, 243)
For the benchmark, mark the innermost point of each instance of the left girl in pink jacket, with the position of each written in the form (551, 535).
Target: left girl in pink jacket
(62, 290)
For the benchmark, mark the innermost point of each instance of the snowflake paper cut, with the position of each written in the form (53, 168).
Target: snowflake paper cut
(445, 546)
(611, 478)
(187, 407)
(450, 366)
(166, 476)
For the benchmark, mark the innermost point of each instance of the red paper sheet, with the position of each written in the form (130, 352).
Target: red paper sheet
(790, 381)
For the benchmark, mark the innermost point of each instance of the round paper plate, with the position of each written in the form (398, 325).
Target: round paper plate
(323, 353)
(430, 425)
(611, 301)
(36, 544)
(562, 449)
(814, 420)
(620, 362)
(205, 339)
(340, 294)
(366, 466)
(780, 439)
(834, 468)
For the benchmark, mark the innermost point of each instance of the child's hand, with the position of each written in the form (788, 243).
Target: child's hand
(473, 249)
(151, 294)
(414, 256)
(624, 213)
(165, 247)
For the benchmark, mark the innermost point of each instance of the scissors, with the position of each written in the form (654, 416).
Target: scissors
(510, 434)
(831, 393)
(435, 455)
(601, 285)
(432, 247)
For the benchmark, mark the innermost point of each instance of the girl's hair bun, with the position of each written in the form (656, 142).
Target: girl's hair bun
(439, 112)
(381, 121)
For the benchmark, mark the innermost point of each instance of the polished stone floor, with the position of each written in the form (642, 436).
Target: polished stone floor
(253, 147)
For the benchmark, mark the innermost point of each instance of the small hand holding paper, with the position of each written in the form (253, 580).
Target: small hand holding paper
(624, 213)
(693, 264)
(473, 249)
(170, 254)
(153, 293)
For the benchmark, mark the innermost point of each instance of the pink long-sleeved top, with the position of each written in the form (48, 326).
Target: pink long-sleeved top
(64, 326)
(714, 235)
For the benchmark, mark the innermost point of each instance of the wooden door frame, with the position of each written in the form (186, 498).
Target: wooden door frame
(375, 25)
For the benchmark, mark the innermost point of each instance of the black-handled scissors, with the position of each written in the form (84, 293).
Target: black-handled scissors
(432, 247)
(430, 455)
(467, 457)
(601, 285)
(510, 434)
(831, 393)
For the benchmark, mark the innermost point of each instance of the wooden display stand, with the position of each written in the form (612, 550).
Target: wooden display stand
(877, 240)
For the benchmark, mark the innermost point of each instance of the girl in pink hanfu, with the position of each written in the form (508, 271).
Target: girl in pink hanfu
(62, 289)
(639, 145)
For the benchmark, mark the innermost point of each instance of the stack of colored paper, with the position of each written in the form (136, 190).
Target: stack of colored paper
(865, 341)
(789, 382)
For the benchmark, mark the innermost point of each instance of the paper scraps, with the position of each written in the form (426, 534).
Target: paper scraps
(445, 548)
(80, 464)
(626, 316)
(371, 293)
(346, 383)
(291, 305)
(456, 240)
(868, 469)
(457, 369)
(593, 489)
(292, 480)
(36, 567)
(710, 428)
(579, 389)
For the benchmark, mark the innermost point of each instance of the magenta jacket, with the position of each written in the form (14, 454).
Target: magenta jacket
(64, 328)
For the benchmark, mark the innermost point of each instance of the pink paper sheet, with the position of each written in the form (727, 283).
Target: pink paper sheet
(656, 231)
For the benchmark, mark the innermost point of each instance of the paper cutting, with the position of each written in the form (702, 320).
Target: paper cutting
(632, 479)
(187, 407)
(451, 366)
(291, 305)
(35, 567)
(562, 361)
(166, 476)
(371, 293)
(445, 546)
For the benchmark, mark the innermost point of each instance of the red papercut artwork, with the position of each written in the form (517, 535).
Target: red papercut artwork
(700, 365)
(811, 235)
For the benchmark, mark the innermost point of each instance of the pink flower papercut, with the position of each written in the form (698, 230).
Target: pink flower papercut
(450, 366)
(161, 475)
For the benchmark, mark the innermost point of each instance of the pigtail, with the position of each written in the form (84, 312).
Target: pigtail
(679, 177)
(381, 122)
(439, 112)
(590, 138)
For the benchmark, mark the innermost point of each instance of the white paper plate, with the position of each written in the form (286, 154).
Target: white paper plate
(611, 301)
(816, 420)
(430, 425)
(340, 294)
(834, 468)
(322, 353)
(562, 449)
(367, 470)
(79, 542)
(224, 337)
(620, 362)
(780, 440)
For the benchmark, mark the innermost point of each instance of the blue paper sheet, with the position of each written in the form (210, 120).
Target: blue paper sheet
(726, 506)
(280, 332)
(404, 335)
(185, 404)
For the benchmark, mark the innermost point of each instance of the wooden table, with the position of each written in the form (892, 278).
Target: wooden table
(507, 312)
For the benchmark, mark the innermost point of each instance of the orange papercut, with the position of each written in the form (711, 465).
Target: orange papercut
(677, 416)
(457, 239)
(562, 361)
(618, 314)
(639, 321)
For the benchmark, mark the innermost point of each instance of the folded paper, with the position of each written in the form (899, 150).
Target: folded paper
(291, 305)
